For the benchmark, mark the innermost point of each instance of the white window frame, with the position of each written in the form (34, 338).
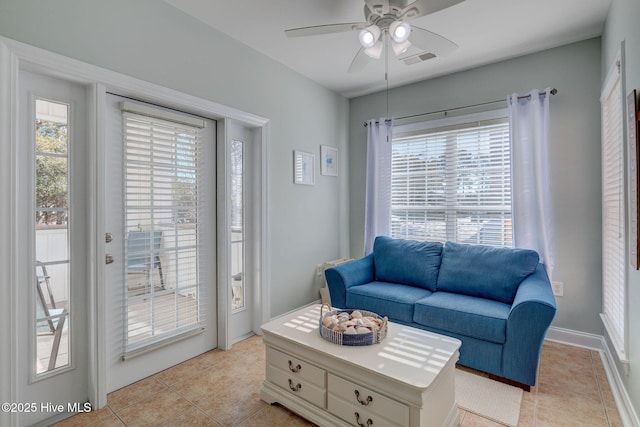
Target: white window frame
(614, 253)
(417, 129)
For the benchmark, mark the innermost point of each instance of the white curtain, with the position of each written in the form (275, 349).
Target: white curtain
(377, 217)
(530, 175)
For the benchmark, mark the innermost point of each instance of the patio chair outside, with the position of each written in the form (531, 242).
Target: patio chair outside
(143, 253)
(49, 319)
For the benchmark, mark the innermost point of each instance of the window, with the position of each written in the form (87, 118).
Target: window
(452, 181)
(238, 228)
(52, 296)
(162, 197)
(613, 216)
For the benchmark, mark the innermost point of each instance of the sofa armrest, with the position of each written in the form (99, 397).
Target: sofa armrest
(531, 314)
(344, 276)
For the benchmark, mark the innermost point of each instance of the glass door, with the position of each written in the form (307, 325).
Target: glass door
(239, 229)
(52, 253)
(161, 303)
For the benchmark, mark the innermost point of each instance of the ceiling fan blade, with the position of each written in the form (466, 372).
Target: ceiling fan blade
(425, 7)
(325, 29)
(431, 42)
(359, 62)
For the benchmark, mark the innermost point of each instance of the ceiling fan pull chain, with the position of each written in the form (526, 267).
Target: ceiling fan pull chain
(386, 69)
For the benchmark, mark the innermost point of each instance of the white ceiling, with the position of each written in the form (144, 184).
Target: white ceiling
(486, 31)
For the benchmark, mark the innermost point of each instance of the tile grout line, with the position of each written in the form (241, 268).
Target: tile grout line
(249, 416)
(600, 391)
(134, 403)
(204, 367)
(215, 420)
(116, 414)
(535, 398)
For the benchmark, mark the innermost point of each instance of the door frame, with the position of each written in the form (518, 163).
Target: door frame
(257, 226)
(15, 56)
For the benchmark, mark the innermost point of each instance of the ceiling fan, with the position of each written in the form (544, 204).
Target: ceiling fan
(388, 20)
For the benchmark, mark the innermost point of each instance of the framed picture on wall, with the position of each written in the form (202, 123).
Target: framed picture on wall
(304, 168)
(632, 122)
(328, 161)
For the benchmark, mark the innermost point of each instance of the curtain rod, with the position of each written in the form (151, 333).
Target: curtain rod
(552, 92)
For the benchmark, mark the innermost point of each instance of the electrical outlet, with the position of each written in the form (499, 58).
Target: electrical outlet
(319, 270)
(558, 288)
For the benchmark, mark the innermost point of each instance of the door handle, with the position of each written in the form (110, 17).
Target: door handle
(109, 259)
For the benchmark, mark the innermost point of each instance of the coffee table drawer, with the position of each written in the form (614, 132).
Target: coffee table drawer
(358, 416)
(297, 386)
(297, 368)
(347, 398)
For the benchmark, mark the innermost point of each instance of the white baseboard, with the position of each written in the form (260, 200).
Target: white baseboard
(627, 412)
(575, 338)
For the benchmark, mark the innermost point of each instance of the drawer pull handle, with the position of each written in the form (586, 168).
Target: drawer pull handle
(294, 369)
(369, 421)
(363, 402)
(296, 387)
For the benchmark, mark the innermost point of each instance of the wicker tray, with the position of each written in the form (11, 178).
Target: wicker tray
(340, 338)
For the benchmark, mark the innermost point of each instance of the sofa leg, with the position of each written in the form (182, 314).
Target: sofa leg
(525, 387)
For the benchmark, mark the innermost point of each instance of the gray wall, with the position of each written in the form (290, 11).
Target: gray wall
(623, 24)
(154, 42)
(575, 156)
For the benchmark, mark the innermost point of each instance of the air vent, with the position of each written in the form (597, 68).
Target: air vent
(418, 58)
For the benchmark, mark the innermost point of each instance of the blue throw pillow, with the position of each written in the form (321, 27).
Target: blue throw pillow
(407, 262)
(484, 271)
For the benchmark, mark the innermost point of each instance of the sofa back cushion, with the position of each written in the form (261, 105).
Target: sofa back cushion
(484, 271)
(407, 262)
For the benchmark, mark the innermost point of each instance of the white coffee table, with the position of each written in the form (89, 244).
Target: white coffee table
(406, 380)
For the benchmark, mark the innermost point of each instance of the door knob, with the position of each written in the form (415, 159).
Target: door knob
(109, 259)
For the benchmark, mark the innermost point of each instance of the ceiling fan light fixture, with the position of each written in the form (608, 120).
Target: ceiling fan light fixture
(369, 36)
(400, 48)
(400, 31)
(375, 51)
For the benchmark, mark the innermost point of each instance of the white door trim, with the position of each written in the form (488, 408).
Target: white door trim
(97, 316)
(258, 259)
(224, 309)
(15, 55)
(262, 292)
(8, 259)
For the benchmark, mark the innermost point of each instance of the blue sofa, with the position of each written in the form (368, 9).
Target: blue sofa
(497, 301)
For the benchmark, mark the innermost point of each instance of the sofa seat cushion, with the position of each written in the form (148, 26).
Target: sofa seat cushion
(386, 299)
(465, 315)
(484, 271)
(407, 262)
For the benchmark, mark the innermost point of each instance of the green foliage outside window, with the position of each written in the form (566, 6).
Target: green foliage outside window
(51, 173)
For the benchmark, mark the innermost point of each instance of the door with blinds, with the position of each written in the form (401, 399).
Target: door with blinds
(161, 278)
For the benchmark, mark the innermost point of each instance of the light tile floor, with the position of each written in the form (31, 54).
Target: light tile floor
(222, 388)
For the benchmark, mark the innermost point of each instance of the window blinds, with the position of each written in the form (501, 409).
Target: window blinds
(162, 179)
(613, 205)
(453, 184)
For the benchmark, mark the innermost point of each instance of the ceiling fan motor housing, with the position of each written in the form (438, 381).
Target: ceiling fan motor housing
(383, 13)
